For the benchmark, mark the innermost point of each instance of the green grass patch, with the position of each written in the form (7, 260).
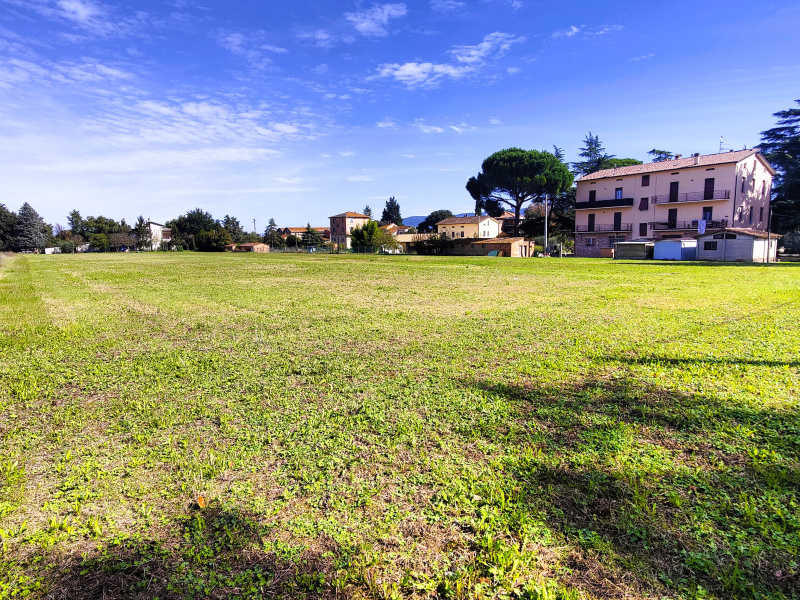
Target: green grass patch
(397, 427)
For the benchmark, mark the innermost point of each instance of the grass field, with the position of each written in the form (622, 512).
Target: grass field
(397, 427)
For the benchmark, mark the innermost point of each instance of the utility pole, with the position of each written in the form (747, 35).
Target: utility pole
(254, 226)
(546, 219)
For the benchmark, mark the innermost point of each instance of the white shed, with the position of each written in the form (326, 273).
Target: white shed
(675, 250)
(737, 245)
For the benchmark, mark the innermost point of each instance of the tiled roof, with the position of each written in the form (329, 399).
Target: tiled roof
(501, 240)
(248, 244)
(350, 214)
(671, 165)
(743, 230)
(464, 220)
(302, 229)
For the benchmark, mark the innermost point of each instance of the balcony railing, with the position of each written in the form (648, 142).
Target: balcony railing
(604, 227)
(665, 225)
(604, 203)
(692, 197)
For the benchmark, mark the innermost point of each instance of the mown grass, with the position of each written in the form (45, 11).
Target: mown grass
(397, 427)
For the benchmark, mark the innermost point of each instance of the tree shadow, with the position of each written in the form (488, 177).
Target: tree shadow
(213, 553)
(691, 491)
(682, 362)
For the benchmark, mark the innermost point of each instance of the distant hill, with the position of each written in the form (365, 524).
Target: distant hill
(414, 221)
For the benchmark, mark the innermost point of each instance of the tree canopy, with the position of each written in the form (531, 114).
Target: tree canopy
(272, 236)
(515, 176)
(30, 232)
(367, 211)
(142, 234)
(432, 219)
(371, 236)
(186, 227)
(8, 225)
(781, 146)
(312, 237)
(234, 229)
(391, 212)
(660, 155)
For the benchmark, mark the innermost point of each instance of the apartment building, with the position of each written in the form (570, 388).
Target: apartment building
(342, 224)
(469, 227)
(160, 236)
(673, 199)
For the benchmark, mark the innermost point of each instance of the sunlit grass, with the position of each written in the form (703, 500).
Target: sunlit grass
(397, 426)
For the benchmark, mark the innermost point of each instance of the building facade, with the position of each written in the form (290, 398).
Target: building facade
(673, 199)
(469, 227)
(160, 236)
(344, 223)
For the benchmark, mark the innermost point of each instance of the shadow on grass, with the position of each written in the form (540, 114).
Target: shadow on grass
(682, 362)
(683, 491)
(214, 553)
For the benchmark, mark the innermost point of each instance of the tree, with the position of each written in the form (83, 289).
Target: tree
(432, 219)
(99, 242)
(291, 241)
(593, 154)
(391, 212)
(515, 176)
(272, 236)
(435, 244)
(76, 224)
(119, 240)
(214, 240)
(660, 155)
(312, 237)
(781, 146)
(142, 234)
(614, 163)
(561, 224)
(186, 227)
(234, 229)
(365, 236)
(30, 231)
(8, 225)
(368, 211)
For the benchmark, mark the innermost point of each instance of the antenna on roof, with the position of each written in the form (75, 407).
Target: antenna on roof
(721, 145)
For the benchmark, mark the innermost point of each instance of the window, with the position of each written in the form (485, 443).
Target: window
(743, 183)
(709, 245)
(751, 215)
(351, 219)
(644, 204)
(618, 194)
(590, 241)
(642, 229)
(761, 213)
(719, 236)
(645, 180)
(592, 195)
(764, 187)
(462, 234)
(616, 238)
(730, 236)
(707, 212)
(590, 226)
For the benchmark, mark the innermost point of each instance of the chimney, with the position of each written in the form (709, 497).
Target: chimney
(678, 156)
(696, 156)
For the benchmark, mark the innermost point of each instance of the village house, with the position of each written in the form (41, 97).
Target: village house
(299, 231)
(160, 236)
(395, 230)
(344, 223)
(517, 247)
(469, 227)
(674, 199)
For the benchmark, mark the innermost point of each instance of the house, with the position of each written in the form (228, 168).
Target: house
(299, 231)
(160, 236)
(230, 247)
(407, 240)
(53, 250)
(469, 227)
(672, 199)
(501, 246)
(342, 224)
(735, 244)
(395, 230)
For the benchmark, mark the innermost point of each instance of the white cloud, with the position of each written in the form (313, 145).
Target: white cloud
(645, 57)
(248, 45)
(359, 178)
(495, 122)
(414, 74)
(493, 45)
(409, 155)
(447, 5)
(428, 129)
(462, 127)
(373, 22)
(80, 11)
(317, 37)
(347, 153)
(512, 70)
(386, 123)
(584, 31)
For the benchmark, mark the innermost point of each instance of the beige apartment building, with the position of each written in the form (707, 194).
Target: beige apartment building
(674, 199)
(469, 227)
(342, 224)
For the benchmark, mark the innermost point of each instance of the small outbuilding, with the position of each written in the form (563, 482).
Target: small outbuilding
(252, 247)
(675, 250)
(636, 250)
(735, 244)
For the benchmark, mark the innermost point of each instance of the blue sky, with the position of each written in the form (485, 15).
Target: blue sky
(299, 110)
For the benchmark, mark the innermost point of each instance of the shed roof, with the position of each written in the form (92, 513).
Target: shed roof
(501, 240)
(681, 163)
(738, 230)
(351, 214)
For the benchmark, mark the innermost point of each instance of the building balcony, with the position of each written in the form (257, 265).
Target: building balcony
(674, 225)
(617, 202)
(604, 227)
(692, 197)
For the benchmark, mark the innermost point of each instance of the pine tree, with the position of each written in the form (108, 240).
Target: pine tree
(781, 146)
(142, 234)
(391, 213)
(368, 211)
(272, 236)
(312, 237)
(594, 155)
(31, 230)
